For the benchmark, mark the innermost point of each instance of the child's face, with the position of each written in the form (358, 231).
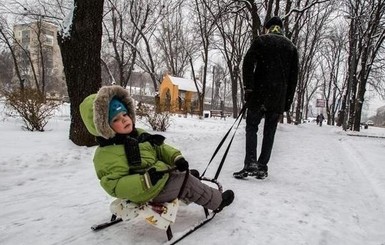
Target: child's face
(122, 123)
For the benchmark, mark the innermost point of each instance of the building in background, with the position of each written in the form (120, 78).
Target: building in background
(178, 94)
(39, 59)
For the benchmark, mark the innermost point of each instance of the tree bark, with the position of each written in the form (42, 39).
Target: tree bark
(81, 59)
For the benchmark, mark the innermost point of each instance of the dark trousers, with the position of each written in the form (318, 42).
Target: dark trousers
(253, 120)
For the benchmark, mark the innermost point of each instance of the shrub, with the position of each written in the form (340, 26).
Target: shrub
(31, 106)
(142, 110)
(158, 121)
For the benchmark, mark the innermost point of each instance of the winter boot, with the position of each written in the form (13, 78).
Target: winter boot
(241, 174)
(248, 170)
(257, 170)
(252, 169)
(227, 199)
(261, 174)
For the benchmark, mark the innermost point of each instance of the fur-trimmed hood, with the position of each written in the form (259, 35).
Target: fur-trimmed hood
(94, 110)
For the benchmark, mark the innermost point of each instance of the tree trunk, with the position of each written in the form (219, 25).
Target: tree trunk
(298, 108)
(80, 50)
(234, 89)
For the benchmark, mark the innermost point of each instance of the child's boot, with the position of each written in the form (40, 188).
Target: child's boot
(227, 199)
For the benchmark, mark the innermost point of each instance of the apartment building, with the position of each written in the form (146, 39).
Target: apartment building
(39, 59)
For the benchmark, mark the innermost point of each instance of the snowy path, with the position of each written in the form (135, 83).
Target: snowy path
(324, 187)
(334, 199)
(320, 191)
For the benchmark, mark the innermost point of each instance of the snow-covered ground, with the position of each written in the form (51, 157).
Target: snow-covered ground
(324, 187)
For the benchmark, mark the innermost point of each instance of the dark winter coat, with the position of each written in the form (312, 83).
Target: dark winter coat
(270, 71)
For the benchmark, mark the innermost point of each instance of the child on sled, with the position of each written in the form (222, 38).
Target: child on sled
(135, 165)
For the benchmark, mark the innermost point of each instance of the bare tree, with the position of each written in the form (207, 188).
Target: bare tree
(311, 91)
(122, 38)
(6, 36)
(367, 35)
(6, 69)
(39, 55)
(313, 22)
(151, 15)
(233, 43)
(332, 66)
(176, 41)
(205, 28)
(29, 56)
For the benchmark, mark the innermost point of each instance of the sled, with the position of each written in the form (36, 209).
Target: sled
(160, 215)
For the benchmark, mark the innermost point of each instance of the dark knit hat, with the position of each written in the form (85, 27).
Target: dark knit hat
(274, 21)
(115, 107)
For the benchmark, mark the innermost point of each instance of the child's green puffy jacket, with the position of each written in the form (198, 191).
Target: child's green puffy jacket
(116, 176)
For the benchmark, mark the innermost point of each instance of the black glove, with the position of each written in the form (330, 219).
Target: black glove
(181, 164)
(155, 176)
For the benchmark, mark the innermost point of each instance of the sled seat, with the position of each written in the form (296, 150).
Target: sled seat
(160, 215)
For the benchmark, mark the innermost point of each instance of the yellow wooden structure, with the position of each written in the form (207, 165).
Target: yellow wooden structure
(177, 94)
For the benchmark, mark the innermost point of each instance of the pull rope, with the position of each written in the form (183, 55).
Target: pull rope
(239, 119)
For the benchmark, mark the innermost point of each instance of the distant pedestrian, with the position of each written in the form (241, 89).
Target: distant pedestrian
(270, 71)
(320, 118)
